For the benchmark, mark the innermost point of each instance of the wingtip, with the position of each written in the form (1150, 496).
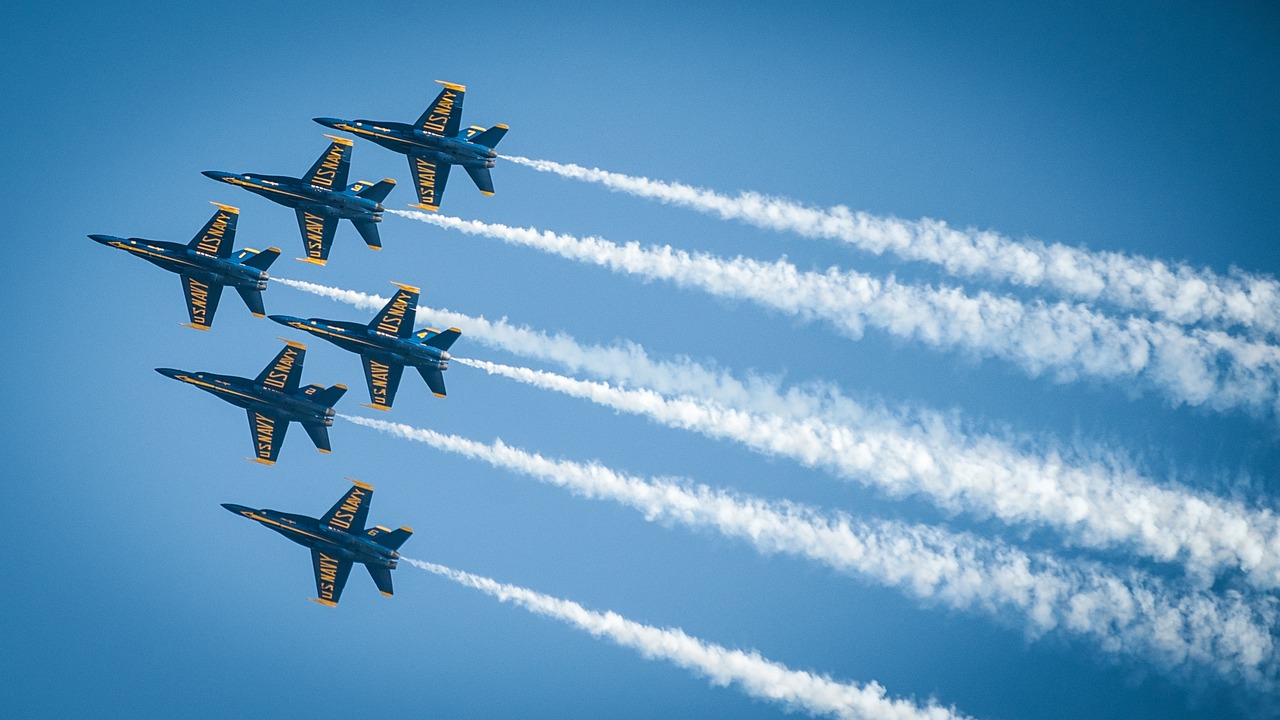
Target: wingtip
(361, 485)
(195, 326)
(453, 86)
(326, 603)
(313, 261)
(429, 208)
(229, 208)
(406, 288)
(341, 140)
(262, 461)
(383, 408)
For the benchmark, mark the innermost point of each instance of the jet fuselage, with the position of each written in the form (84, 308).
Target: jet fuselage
(409, 140)
(312, 533)
(256, 397)
(301, 195)
(363, 340)
(179, 258)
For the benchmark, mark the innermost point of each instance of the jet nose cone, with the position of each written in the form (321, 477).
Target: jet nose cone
(217, 175)
(104, 239)
(237, 509)
(169, 372)
(328, 122)
(282, 319)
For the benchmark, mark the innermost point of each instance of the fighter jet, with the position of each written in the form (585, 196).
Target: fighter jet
(321, 198)
(433, 144)
(206, 265)
(338, 540)
(273, 400)
(387, 344)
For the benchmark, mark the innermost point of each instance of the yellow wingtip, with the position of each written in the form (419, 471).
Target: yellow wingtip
(313, 261)
(228, 208)
(486, 193)
(384, 592)
(261, 461)
(341, 140)
(361, 485)
(422, 206)
(453, 86)
(293, 343)
(383, 408)
(326, 603)
(406, 288)
(194, 326)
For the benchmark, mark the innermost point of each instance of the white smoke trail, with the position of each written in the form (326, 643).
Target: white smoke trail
(758, 677)
(1198, 367)
(1132, 613)
(1174, 291)
(1100, 503)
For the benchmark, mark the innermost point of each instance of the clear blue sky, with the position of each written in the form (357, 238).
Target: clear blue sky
(128, 591)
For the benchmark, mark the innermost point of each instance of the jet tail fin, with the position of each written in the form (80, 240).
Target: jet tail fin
(368, 231)
(389, 539)
(327, 396)
(490, 138)
(439, 340)
(258, 260)
(378, 191)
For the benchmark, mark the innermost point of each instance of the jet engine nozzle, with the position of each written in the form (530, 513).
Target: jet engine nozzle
(489, 163)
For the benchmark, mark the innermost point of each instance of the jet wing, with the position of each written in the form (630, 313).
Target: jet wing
(429, 179)
(396, 317)
(444, 115)
(317, 235)
(202, 301)
(331, 170)
(268, 435)
(285, 371)
(218, 235)
(350, 511)
(331, 577)
(384, 380)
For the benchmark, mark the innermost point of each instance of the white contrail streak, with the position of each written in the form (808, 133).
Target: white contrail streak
(755, 675)
(1177, 292)
(1209, 533)
(1101, 502)
(1131, 613)
(1198, 367)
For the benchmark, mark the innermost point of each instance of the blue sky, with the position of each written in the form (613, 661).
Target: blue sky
(1147, 129)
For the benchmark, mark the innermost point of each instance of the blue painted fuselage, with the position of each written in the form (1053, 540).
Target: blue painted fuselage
(359, 338)
(257, 397)
(179, 258)
(409, 140)
(317, 535)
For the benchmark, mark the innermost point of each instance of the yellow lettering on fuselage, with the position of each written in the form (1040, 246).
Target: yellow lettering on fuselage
(199, 301)
(210, 241)
(436, 121)
(328, 169)
(347, 511)
(426, 176)
(328, 576)
(280, 371)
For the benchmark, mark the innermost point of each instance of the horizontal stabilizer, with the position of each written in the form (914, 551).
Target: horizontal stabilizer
(319, 435)
(378, 191)
(434, 379)
(382, 578)
(440, 340)
(253, 299)
(389, 539)
(368, 231)
(258, 260)
(482, 178)
(489, 138)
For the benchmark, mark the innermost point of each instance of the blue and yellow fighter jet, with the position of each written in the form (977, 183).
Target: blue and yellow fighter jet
(337, 541)
(387, 345)
(206, 265)
(434, 144)
(321, 198)
(273, 400)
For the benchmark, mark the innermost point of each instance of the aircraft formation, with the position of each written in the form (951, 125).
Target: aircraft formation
(386, 345)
